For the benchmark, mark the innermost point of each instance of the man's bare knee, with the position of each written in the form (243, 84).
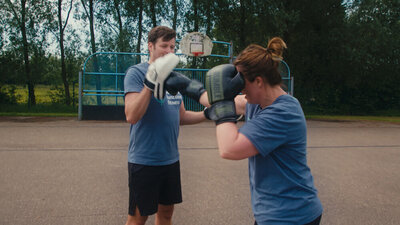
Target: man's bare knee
(164, 214)
(136, 219)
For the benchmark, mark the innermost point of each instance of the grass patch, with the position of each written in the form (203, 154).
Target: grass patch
(50, 110)
(39, 114)
(42, 93)
(391, 119)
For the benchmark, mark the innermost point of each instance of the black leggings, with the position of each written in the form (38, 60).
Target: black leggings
(314, 222)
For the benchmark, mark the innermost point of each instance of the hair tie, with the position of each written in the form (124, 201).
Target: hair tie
(267, 53)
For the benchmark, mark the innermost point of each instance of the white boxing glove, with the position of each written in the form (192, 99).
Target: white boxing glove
(158, 72)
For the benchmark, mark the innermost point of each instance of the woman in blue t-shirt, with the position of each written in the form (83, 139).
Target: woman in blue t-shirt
(274, 139)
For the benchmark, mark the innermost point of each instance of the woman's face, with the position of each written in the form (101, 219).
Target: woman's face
(251, 89)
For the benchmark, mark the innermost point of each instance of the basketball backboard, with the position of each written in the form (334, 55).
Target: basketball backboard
(196, 44)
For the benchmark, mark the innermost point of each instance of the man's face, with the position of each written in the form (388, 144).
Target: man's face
(161, 48)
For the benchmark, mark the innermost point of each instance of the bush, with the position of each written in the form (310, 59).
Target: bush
(8, 95)
(57, 95)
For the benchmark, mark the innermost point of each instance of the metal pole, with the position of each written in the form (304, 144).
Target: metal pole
(73, 94)
(80, 96)
(231, 52)
(116, 78)
(292, 86)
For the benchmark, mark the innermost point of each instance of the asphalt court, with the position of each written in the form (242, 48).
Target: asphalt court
(64, 171)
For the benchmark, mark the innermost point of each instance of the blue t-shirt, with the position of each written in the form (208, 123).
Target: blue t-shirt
(281, 184)
(154, 138)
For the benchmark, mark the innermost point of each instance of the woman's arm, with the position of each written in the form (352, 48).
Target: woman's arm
(204, 99)
(232, 144)
(240, 103)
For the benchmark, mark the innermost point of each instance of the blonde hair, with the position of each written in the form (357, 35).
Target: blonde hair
(256, 60)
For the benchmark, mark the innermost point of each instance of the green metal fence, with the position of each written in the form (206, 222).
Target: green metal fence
(101, 82)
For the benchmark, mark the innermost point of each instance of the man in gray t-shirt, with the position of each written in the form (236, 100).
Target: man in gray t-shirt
(153, 159)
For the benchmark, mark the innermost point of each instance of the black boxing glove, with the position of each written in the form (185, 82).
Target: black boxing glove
(179, 82)
(223, 83)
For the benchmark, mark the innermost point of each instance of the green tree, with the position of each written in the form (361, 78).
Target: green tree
(134, 16)
(140, 26)
(89, 14)
(174, 5)
(374, 49)
(198, 17)
(114, 26)
(245, 22)
(61, 28)
(315, 51)
(232, 22)
(11, 67)
(26, 22)
(154, 9)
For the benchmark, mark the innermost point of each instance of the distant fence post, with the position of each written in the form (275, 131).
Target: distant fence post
(292, 86)
(80, 96)
(231, 52)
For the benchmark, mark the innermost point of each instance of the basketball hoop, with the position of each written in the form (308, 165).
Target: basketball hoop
(196, 54)
(196, 44)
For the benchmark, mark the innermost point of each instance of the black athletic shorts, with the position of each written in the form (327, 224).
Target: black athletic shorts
(153, 185)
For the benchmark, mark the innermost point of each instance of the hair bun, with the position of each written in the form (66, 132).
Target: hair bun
(276, 46)
(270, 50)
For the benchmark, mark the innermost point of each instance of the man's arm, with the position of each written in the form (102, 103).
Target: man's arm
(190, 117)
(136, 105)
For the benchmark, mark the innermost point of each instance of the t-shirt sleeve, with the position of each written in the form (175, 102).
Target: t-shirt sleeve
(266, 132)
(133, 81)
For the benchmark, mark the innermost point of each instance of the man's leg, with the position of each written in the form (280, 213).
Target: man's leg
(143, 193)
(170, 194)
(136, 219)
(164, 214)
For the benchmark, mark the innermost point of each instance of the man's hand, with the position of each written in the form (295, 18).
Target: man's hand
(158, 72)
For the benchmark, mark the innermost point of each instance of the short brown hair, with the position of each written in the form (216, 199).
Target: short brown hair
(163, 32)
(259, 61)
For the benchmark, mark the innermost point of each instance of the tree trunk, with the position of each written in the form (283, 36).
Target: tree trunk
(30, 83)
(93, 45)
(63, 67)
(196, 26)
(121, 36)
(153, 12)
(196, 18)
(140, 30)
(209, 7)
(175, 18)
(242, 37)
